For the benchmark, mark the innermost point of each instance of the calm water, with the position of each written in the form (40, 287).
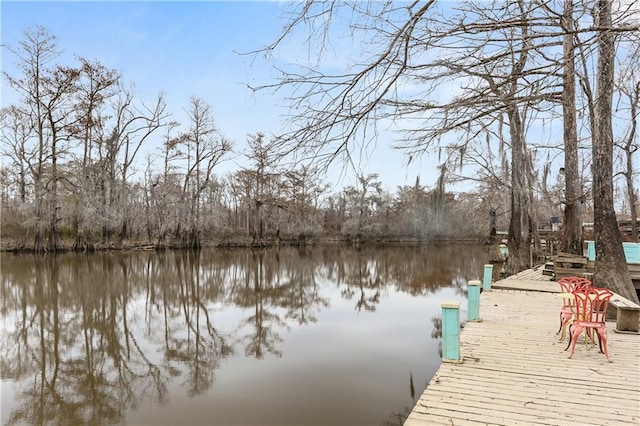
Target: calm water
(320, 336)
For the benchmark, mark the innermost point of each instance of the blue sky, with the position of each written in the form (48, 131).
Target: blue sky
(185, 49)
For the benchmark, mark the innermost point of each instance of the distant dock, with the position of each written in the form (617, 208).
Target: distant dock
(515, 372)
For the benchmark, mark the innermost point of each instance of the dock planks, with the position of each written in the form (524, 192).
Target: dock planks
(514, 370)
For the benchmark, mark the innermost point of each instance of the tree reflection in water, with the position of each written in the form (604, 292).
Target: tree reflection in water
(87, 338)
(195, 341)
(85, 365)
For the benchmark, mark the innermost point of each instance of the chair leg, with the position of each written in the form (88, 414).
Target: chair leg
(561, 321)
(574, 335)
(587, 337)
(602, 335)
(570, 338)
(566, 320)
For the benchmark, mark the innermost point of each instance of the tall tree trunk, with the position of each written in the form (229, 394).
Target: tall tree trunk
(611, 269)
(572, 226)
(83, 234)
(53, 196)
(519, 238)
(38, 239)
(39, 178)
(630, 148)
(631, 194)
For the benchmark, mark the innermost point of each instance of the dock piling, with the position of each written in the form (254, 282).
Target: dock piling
(450, 331)
(488, 276)
(473, 305)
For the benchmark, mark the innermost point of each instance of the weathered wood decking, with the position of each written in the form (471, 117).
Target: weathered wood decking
(514, 370)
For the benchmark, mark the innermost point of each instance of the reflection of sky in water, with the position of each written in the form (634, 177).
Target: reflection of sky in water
(345, 365)
(338, 370)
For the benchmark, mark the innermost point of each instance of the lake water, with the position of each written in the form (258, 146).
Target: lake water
(312, 336)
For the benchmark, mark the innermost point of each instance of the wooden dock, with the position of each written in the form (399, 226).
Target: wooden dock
(515, 372)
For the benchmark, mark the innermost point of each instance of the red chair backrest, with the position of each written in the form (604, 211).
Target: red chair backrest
(570, 284)
(573, 282)
(591, 303)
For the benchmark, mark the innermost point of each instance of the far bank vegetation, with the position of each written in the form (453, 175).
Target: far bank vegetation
(88, 164)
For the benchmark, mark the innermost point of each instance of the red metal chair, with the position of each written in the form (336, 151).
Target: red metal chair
(591, 308)
(568, 285)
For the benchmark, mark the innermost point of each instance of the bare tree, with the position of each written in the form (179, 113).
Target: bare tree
(610, 265)
(17, 185)
(486, 53)
(37, 51)
(96, 85)
(361, 202)
(262, 175)
(411, 210)
(59, 89)
(16, 135)
(502, 60)
(205, 148)
(131, 127)
(572, 225)
(302, 189)
(630, 89)
(164, 187)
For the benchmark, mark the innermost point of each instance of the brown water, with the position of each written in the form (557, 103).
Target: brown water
(320, 336)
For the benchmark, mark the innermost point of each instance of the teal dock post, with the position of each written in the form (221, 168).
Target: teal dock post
(488, 276)
(450, 331)
(473, 304)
